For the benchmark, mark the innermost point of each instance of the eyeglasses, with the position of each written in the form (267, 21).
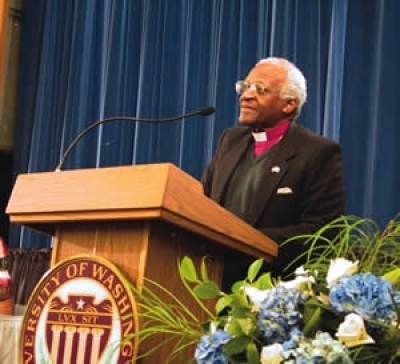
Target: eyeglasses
(243, 86)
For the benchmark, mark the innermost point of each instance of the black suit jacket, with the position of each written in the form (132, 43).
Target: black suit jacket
(303, 187)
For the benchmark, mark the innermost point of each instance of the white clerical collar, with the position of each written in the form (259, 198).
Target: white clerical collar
(260, 136)
(275, 133)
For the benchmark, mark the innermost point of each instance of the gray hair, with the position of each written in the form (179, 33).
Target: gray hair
(295, 86)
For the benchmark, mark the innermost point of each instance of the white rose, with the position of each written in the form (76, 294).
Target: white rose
(339, 268)
(351, 331)
(271, 354)
(301, 283)
(300, 271)
(257, 295)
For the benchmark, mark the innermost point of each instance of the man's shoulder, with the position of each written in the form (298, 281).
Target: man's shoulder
(310, 136)
(235, 132)
(237, 129)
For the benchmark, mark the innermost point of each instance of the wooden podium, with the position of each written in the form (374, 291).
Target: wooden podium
(142, 218)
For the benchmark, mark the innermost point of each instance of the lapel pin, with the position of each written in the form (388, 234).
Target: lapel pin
(275, 169)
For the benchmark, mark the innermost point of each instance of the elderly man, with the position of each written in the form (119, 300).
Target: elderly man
(273, 173)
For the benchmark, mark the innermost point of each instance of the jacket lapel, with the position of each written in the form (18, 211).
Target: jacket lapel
(275, 169)
(237, 147)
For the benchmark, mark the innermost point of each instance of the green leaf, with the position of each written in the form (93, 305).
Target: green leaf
(313, 318)
(222, 304)
(203, 270)
(319, 317)
(187, 271)
(237, 345)
(394, 277)
(254, 269)
(264, 281)
(237, 286)
(234, 328)
(240, 311)
(252, 355)
(206, 290)
(391, 338)
(246, 325)
(240, 299)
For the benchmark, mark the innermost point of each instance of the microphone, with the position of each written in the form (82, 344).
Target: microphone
(204, 111)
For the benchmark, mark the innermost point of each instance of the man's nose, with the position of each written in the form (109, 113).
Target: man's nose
(248, 94)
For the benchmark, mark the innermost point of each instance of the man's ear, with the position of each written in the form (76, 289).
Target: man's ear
(290, 106)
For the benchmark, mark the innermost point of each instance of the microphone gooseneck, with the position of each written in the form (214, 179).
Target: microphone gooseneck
(204, 111)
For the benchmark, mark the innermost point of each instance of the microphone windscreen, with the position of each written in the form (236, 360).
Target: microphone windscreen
(207, 110)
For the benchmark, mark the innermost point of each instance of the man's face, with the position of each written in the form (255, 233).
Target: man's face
(265, 110)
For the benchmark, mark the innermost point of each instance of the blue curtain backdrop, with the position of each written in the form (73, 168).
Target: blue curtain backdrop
(87, 60)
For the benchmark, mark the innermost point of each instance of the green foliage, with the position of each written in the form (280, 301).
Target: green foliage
(167, 315)
(378, 252)
(356, 239)
(349, 237)
(171, 316)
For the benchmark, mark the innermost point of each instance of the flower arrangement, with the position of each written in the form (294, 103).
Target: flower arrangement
(342, 306)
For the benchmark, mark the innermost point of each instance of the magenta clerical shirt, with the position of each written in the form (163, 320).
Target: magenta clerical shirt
(264, 140)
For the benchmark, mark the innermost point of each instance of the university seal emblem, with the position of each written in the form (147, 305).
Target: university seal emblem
(82, 311)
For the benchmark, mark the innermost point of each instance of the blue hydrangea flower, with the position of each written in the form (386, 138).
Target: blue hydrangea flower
(322, 350)
(294, 337)
(280, 314)
(364, 294)
(209, 350)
